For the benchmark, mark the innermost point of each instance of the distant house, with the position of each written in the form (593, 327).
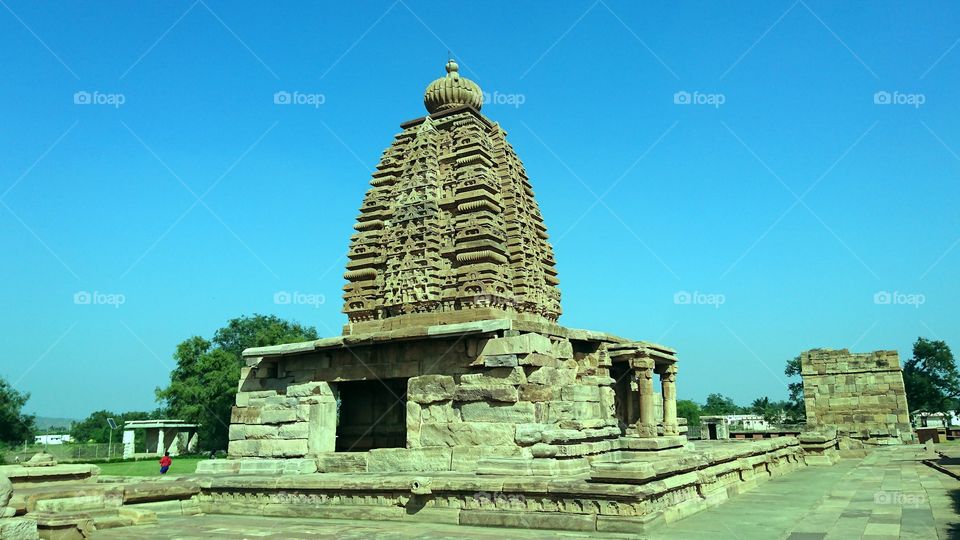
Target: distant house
(925, 419)
(52, 439)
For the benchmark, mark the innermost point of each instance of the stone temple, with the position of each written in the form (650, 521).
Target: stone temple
(453, 378)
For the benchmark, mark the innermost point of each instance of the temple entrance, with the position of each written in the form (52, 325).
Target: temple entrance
(627, 399)
(371, 415)
(712, 432)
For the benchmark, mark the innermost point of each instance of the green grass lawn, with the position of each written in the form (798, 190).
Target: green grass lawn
(149, 467)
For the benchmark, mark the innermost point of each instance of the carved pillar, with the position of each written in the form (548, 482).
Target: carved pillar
(668, 389)
(643, 370)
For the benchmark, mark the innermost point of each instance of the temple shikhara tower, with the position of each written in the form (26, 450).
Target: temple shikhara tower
(450, 230)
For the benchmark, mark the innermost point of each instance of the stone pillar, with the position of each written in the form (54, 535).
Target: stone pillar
(128, 437)
(160, 443)
(668, 388)
(643, 370)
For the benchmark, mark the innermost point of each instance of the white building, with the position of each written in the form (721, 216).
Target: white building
(52, 439)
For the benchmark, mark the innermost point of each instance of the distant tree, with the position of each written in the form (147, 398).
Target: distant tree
(203, 386)
(719, 405)
(773, 412)
(690, 410)
(931, 378)
(96, 429)
(795, 409)
(15, 426)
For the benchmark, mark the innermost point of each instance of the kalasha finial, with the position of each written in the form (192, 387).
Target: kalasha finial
(452, 66)
(452, 91)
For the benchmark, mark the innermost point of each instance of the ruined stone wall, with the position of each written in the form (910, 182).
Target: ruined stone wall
(862, 394)
(519, 395)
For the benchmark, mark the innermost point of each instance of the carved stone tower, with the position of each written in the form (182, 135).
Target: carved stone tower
(450, 230)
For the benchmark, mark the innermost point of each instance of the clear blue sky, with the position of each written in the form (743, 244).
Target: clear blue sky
(797, 199)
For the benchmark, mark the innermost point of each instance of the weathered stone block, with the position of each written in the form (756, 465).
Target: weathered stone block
(504, 393)
(430, 388)
(501, 360)
(467, 434)
(538, 392)
(528, 434)
(278, 416)
(297, 430)
(552, 376)
(253, 431)
(522, 344)
(245, 399)
(318, 388)
(480, 411)
(392, 460)
(283, 448)
(440, 412)
(494, 377)
(580, 392)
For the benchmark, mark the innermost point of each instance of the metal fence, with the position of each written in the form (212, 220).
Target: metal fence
(67, 452)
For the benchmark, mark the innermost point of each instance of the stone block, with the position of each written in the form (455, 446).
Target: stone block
(253, 431)
(430, 388)
(245, 399)
(282, 448)
(440, 412)
(494, 377)
(538, 392)
(18, 529)
(553, 376)
(528, 434)
(580, 392)
(467, 434)
(480, 411)
(393, 460)
(529, 520)
(501, 360)
(297, 430)
(245, 415)
(318, 388)
(278, 416)
(503, 393)
(522, 344)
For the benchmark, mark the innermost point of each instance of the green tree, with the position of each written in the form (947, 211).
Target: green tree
(95, 429)
(719, 405)
(15, 426)
(203, 386)
(795, 408)
(689, 409)
(931, 378)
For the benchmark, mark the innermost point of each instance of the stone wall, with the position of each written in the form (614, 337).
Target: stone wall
(861, 394)
(522, 394)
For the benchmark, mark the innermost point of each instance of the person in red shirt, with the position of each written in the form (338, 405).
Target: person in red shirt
(165, 463)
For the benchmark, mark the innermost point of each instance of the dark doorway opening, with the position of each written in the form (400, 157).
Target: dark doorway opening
(627, 398)
(371, 415)
(712, 432)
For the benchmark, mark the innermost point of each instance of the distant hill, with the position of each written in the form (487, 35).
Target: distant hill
(45, 423)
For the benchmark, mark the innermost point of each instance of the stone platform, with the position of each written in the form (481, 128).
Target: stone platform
(624, 491)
